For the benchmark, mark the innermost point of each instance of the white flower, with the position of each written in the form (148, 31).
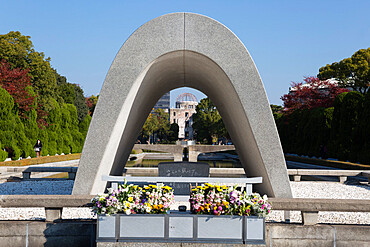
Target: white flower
(128, 211)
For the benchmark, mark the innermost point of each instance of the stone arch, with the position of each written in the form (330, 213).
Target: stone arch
(182, 50)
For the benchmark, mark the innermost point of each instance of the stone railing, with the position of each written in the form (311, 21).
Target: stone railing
(342, 174)
(239, 172)
(309, 207)
(53, 204)
(245, 182)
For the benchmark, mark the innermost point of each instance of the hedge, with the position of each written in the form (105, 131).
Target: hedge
(342, 129)
(41, 160)
(18, 135)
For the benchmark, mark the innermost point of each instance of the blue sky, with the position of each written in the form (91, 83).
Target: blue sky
(286, 39)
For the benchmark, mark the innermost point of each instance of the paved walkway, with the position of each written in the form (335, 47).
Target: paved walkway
(12, 171)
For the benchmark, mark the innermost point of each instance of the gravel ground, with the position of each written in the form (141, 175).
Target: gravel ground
(328, 190)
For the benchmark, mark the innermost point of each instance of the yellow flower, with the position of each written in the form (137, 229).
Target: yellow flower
(130, 199)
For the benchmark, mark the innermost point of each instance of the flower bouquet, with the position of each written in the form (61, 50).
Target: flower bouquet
(224, 200)
(133, 199)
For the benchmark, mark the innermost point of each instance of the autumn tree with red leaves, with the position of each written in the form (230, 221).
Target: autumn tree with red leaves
(310, 94)
(17, 83)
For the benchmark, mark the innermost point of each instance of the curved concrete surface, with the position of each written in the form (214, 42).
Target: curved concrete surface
(182, 50)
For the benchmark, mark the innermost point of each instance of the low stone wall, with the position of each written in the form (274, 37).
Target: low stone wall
(82, 233)
(40, 233)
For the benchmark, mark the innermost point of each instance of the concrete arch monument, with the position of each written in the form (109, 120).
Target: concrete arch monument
(182, 50)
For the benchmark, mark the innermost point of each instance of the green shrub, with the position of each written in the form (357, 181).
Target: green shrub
(16, 153)
(3, 155)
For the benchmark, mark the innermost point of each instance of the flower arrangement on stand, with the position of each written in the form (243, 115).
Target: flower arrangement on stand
(133, 199)
(224, 200)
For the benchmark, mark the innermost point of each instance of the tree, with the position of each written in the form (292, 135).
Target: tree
(207, 122)
(350, 72)
(17, 83)
(12, 134)
(150, 126)
(72, 94)
(173, 133)
(80, 103)
(18, 51)
(277, 111)
(310, 94)
(344, 137)
(91, 103)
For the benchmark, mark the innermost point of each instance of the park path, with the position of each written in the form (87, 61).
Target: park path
(7, 172)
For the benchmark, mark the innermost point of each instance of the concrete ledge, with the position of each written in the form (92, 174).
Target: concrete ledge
(48, 201)
(312, 204)
(37, 233)
(82, 233)
(71, 171)
(342, 174)
(330, 163)
(239, 172)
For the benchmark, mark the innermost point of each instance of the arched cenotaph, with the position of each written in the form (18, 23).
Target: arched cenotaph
(182, 50)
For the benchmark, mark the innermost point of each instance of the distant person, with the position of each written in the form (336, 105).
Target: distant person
(37, 148)
(323, 151)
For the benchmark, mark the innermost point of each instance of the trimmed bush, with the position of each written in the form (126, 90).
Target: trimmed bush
(3, 154)
(41, 160)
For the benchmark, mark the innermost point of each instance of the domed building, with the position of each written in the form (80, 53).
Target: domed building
(182, 114)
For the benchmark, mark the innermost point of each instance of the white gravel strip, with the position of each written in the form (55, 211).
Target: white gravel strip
(330, 190)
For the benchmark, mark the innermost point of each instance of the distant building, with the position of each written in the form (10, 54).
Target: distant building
(164, 102)
(182, 114)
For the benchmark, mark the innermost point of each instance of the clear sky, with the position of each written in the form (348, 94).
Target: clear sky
(286, 39)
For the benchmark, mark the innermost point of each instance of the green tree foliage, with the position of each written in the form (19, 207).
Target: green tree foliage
(157, 125)
(18, 50)
(173, 133)
(80, 103)
(12, 134)
(84, 125)
(345, 136)
(37, 103)
(150, 126)
(157, 128)
(342, 129)
(207, 122)
(91, 103)
(3, 154)
(67, 92)
(277, 111)
(363, 132)
(72, 94)
(350, 72)
(304, 131)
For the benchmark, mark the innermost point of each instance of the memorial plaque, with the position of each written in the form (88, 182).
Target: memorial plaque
(182, 169)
